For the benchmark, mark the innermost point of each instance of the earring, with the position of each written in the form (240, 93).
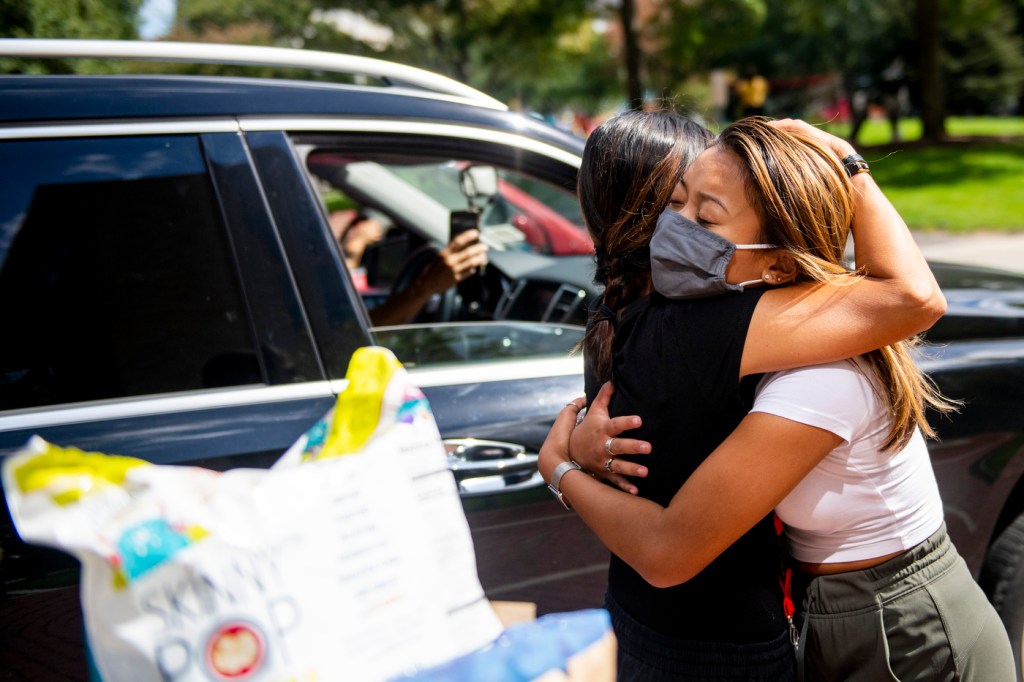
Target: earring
(767, 277)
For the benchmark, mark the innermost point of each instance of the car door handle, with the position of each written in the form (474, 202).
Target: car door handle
(487, 466)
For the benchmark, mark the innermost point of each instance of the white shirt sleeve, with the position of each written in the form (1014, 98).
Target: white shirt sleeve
(837, 397)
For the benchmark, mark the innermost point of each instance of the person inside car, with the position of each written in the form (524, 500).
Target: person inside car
(693, 553)
(462, 257)
(355, 231)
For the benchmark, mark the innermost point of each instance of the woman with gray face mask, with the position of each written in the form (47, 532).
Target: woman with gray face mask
(693, 583)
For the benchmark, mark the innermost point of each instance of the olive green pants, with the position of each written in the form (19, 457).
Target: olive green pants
(919, 616)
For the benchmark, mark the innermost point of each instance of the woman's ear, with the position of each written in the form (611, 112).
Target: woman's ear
(780, 268)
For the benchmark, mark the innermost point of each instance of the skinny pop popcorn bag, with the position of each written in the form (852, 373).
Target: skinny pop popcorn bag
(351, 559)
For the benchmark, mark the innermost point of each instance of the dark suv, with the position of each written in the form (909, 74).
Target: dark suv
(171, 289)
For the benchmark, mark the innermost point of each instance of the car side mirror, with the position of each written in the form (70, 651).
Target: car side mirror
(479, 183)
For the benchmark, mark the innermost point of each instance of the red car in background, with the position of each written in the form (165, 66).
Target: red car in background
(546, 230)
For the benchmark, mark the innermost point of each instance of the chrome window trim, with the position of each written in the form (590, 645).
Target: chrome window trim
(191, 401)
(120, 129)
(508, 370)
(144, 406)
(289, 124)
(466, 132)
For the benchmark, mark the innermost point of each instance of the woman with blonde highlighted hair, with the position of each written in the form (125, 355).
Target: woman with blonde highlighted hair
(747, 277)
(811, 223)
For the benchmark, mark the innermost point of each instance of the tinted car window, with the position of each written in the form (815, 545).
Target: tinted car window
(105, 247)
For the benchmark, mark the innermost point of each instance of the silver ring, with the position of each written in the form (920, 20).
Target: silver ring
(573, 405)
(608, 464)
(608, 446)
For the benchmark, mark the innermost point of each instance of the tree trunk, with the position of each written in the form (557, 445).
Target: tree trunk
(933, 96)
(632, 56)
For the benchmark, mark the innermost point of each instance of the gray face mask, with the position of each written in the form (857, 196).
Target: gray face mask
(689, 261)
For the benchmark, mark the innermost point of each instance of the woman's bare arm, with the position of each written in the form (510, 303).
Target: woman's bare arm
(455, 262)
(735, 487)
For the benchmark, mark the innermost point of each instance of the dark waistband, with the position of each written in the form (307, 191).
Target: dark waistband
(772, 660)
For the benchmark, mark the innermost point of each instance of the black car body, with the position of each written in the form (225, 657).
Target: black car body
(171, 290)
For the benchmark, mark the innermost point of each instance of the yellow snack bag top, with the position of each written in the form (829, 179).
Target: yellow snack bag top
(69, 473)
(357, 412)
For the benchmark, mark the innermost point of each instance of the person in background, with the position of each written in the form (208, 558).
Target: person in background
(718, 95)
(354, 231)
(751, 92)
(887, 92)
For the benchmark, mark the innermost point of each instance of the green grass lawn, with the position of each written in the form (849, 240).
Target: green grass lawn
(875, 131)
(964, 185)
(956, 187)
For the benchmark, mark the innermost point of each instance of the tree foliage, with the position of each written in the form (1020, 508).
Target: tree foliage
(277, 21)
(984, 56)
(691, 37)
(980, 57)
(548, 55)
(532, 50)
(109, 19)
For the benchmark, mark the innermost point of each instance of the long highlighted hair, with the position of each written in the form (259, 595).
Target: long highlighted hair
(806, 202)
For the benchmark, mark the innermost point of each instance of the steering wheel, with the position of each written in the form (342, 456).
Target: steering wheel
(414, 264)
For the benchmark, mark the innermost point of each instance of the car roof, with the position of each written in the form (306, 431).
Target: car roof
(45, 99)
(404, 92)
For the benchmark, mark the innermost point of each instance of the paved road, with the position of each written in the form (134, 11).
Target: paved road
(994, 250)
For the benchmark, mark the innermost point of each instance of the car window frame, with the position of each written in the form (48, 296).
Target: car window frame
(308, 238)
(150, 424)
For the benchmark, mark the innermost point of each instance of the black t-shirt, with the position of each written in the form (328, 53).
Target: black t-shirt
(676, 364)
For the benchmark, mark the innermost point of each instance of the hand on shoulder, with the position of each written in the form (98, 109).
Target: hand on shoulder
(840, 147)
(595, 444)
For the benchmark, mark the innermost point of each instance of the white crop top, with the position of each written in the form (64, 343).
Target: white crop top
(859, 502)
